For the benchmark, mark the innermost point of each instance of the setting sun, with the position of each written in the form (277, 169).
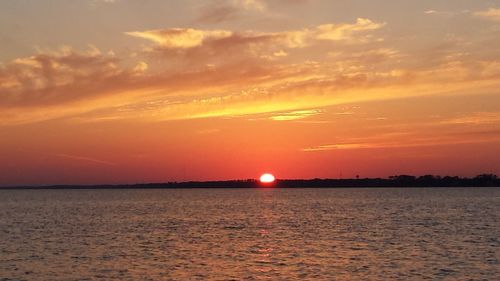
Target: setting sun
(267, 178)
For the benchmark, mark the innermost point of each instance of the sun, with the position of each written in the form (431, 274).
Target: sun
(267, 178)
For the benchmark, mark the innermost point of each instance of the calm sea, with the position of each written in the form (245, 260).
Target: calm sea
(250, 234)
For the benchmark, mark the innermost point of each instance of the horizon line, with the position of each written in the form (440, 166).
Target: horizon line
(396, 179)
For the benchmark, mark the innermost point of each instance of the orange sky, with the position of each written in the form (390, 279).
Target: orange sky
(132, 91)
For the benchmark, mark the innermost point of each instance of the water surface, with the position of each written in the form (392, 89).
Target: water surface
(250, 234)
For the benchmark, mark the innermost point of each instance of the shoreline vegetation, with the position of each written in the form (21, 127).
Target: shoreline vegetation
(483, 180)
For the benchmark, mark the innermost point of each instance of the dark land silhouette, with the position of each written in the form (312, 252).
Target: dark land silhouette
(428, 181)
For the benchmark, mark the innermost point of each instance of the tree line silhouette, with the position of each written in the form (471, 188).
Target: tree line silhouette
(482, 180)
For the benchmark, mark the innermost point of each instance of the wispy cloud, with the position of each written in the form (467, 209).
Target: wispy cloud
(68, 156)
(492, 14)
(85, 159)
(187, 73)
(475, 119)
(295, 115)
(219, 11)
(185, 38)
(180, 37)
(327, 147)
(96, 2)
(47, 79)
(417, 143)
(431, 12)
(418, 137)
(258, 5)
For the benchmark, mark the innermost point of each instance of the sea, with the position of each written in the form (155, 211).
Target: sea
(250, 234)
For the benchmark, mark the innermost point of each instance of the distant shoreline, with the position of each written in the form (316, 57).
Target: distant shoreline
(401, 181)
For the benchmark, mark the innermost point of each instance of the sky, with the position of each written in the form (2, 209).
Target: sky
(129, 91)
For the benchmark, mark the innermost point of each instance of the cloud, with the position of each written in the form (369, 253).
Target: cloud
(213, 46)
(295, 115)
(182, 38)
(442, 13)
(252, 4)
(479, 118)
(83, 158)
(229, 89)
(345, 31)
(186, 73)
(280, 53)
(189, 38)
(430, 12)
(141, 67)
(492, 14)
(66, 75)
(68, 83)
(370, 56)
(328, 147)
(471, 128)
(228, 10)
(97, 2)
(417, 141)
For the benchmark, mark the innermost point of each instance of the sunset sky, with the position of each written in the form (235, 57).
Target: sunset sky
(129, 91)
